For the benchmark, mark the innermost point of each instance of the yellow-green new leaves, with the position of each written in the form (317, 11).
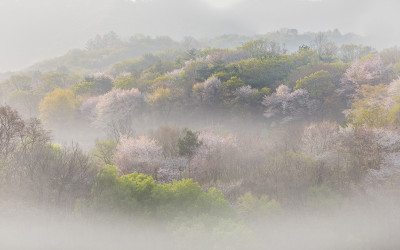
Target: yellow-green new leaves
(58, 107)
(371, 108)
(318, 84)
(139, 194)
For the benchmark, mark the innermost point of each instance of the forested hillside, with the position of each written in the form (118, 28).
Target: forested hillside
(237, 140)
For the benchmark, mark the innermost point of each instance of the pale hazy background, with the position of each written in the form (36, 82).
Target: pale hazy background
(35, 30)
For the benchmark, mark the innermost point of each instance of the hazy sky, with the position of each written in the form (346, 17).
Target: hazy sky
(222, 3)
(34, 30)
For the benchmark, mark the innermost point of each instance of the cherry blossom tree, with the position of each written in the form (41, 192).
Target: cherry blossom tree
(208, 91)
(114, 111)
(171, 169)
(213, 158)
(319, 138)
(288, 105)
(140, 154)
(370, 70)
(145, 155)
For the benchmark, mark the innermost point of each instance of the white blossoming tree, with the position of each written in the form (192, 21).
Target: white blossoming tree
(287, 106)
(370, 70)
(114, 111)
(213, 157)
(140, 154)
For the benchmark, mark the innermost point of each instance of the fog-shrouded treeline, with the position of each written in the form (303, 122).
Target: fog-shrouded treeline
(45, 28)
(252, 147)
(103, 50)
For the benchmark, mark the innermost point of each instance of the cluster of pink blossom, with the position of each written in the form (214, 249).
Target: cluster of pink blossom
(188, 65)
(212, 155)
(176, 73)
(211, 90)
(389, 169)
(245, 91)
(290, 105)
(367, 71)
(140, 154)
(370, 70)
(388, 140)
(113, 107)
(144, 155)
(318, 138)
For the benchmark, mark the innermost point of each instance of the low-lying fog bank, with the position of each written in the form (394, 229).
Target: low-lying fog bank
(355, 227)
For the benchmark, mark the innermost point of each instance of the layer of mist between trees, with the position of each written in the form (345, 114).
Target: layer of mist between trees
(354, 229)
(213, 148)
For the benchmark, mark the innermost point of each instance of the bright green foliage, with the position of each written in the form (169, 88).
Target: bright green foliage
(376, 106)
(259, 73)
(225, 74)
(252, 206)
(138, 189)
(138, 194)
(93, 86)
(305, 57)
(205, 70)
(234, 83)
(84, 88)
(229, 88)
(103, 152)
(372, 117)
(318, 84)
(336, 70)
(185, 197)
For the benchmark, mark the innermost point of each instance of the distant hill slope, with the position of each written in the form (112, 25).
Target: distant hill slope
(102, 52)
(40, 29)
